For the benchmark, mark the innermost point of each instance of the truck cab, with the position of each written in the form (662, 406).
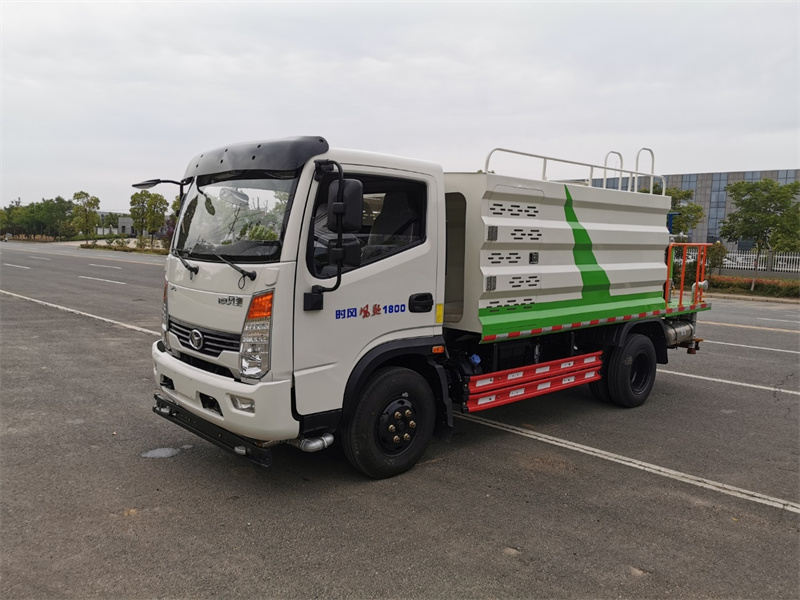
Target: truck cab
(241, 350)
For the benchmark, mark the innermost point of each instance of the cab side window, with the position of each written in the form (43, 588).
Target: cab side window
(393, 220)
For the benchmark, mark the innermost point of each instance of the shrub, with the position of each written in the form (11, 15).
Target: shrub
(779, 288)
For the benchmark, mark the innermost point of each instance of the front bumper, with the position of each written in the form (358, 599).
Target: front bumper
(216, 435)
(188, 387)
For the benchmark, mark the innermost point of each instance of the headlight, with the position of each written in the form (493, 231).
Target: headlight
(254, 349)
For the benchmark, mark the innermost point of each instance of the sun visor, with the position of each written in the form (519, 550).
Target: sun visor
(276, 155)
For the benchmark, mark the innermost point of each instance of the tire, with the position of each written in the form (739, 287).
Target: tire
(600, 391)
(397, 398)
(632, 371)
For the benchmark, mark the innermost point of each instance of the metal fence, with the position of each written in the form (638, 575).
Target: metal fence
(780, 262)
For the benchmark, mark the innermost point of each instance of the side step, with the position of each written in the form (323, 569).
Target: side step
(503, 387)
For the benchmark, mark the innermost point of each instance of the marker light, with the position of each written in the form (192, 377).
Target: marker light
(165, 319)
(254, 349)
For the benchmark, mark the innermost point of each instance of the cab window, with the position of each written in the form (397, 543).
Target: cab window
(393, 220)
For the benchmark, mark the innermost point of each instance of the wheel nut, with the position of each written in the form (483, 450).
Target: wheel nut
(408, 413)
(396, 439)
(392, 428)
(412, 424)
(397, 415)
(406, 437)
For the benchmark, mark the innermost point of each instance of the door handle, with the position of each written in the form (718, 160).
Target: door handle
(420, 303)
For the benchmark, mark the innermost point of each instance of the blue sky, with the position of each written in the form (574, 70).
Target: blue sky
(98, 95)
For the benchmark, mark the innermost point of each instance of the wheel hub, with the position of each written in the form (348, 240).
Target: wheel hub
(397, 426)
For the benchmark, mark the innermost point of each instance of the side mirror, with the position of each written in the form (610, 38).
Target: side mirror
(348, 255)
(350, 207)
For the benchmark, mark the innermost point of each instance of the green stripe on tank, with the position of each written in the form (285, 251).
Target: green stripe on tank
(596, 286)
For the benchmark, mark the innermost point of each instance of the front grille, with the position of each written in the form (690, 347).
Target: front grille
(199, 363)
(214, 342)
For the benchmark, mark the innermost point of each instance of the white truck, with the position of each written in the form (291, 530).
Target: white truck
(314, 292)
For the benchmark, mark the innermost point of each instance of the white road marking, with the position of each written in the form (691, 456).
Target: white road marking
(739, 383)
(101, 266)
(780, 320)
(749, 327)
(83, 314)
(752, 347)
(156, 257)
(98, 279)
(16, 266)
(40, 258)
(637, 464)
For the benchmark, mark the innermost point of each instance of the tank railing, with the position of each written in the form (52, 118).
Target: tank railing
(652, 169)
(605, 168)
(692, 252)
(545, 159)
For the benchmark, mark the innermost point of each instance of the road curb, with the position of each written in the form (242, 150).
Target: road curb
(713, 295)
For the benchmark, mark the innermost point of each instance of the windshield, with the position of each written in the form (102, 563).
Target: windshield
(239, 216)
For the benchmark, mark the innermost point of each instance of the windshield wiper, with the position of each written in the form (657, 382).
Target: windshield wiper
(251, 275)
(191, 268)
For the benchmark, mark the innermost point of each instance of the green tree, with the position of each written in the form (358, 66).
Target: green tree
(3, 220)
(786, 237)
(156, 206)
(689, 214)
(147, 212)
(761, 206)
(139, 210)
(112, 220)
(716, 256)
(84, 213)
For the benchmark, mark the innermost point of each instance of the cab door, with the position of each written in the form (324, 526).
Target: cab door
(391, 296)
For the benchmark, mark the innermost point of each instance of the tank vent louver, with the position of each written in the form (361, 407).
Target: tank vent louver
(504, 258)
(510, 209)
(531, 281)
(495, 306)
(530, 235)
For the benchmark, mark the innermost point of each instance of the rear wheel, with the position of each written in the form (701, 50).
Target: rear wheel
(632, 371)
(391, 425)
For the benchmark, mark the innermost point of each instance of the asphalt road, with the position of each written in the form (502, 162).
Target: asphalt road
(693, 495)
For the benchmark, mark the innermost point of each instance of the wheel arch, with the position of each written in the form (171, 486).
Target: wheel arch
(416, 355)
(616, 335)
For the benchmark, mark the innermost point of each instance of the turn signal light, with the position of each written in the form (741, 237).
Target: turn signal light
(260, 307)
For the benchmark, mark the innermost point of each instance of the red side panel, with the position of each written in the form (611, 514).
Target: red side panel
(503, 387)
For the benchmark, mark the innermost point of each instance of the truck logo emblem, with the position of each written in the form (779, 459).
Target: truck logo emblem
(196, 339)
(231, 300)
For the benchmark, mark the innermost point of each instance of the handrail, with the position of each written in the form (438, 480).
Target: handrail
(699, 276)
(605, 165)
(591, 167)
(652, 167)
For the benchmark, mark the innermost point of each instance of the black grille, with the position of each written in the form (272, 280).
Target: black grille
(214, 342)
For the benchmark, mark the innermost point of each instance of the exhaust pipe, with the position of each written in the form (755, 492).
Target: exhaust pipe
(312, 444)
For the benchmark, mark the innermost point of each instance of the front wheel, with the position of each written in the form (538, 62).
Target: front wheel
(391, 425)
(632, 371)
